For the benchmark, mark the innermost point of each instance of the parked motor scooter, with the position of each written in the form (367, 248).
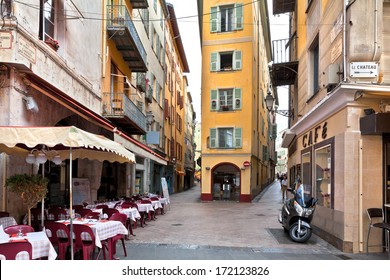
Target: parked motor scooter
(296, 218)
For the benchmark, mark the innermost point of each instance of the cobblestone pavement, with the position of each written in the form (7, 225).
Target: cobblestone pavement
(192, 229)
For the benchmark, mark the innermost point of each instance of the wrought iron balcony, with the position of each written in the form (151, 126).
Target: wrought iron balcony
(283, 71)
(283, 6)
(121, 30)
(119, 109)
(139, 4)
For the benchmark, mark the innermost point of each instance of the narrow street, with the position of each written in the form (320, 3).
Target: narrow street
(192, 229)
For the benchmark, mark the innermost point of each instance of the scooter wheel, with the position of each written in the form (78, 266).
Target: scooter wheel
(299, 236)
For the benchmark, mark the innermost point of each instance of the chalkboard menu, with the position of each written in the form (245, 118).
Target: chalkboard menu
(164, 186)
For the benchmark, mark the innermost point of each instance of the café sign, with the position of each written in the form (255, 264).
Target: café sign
(315, 135)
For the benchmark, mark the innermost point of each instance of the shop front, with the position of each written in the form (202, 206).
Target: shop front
(346, 167)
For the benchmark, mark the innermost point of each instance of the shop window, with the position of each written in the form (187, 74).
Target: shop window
(323, 159)
(306, 173)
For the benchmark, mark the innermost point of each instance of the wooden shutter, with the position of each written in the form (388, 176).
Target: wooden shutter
(214, 100)
(237, 99)
(213, 137)
(237, 60)
(214, 19)
(214, 61)
(238, 137)
(239, 16)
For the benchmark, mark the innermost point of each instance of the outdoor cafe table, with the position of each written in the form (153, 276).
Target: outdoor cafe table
(131, 213)
(41, 245)
(7, 221)
(103, 230)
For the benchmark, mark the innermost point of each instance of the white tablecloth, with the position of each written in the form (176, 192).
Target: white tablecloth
(102, 229)
(132, 213)
(41, 246)
(7, 221)
(145, 207)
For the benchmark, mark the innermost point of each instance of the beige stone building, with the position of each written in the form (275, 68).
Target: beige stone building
(337, 68)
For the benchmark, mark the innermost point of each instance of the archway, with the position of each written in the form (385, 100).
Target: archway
(226, 180)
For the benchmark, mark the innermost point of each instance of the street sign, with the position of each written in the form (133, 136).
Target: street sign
(363, 69)
(246, 164)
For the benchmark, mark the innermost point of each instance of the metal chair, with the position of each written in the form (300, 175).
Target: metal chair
(376, 217)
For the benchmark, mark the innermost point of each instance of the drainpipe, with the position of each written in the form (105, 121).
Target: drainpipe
(345, 41)
(374, 57)
(4, 193)
(360, 203)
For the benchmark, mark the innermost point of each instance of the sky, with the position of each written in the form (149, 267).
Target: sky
(187, 17)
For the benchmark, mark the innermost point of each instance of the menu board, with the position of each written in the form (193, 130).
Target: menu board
(81, 190)
(164, 186)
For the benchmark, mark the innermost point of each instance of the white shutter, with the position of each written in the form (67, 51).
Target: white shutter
(214, 61)
(214, 19)
(213, 137)
(239, 16)
(237, 60)
(237, 99)
(237, 137)
(214, 100)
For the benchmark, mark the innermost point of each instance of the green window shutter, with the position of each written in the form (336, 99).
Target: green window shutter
(237, 60)
(213, 137)
(239, 16)
(237, 99)
(238, 137)
(214, 19)
(214, 100)
(214, 57)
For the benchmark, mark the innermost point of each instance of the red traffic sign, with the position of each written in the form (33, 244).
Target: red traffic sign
(246, 164)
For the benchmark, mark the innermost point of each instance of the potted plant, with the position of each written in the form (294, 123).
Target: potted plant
(52, 43)
(30, 188)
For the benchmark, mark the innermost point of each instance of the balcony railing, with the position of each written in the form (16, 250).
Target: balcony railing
(121, 30)
(284, 70)
(283, 6)
(124, 113)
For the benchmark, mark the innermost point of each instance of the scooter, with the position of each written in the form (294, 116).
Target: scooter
(296, 218)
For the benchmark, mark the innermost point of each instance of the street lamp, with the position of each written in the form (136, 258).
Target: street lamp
(269, 103)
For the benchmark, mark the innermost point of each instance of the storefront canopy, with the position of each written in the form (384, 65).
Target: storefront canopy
(17, 140)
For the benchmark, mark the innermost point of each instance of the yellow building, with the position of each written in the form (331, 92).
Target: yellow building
(175, 91)
(235, 148)
(338, 138)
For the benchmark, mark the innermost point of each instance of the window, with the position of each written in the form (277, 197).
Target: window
(225, 99)
(49, 20)
(145, 18)
(226, 18)
(314, 64)
(306, 173)
(225, 61)
(226, 137)
(323, 176)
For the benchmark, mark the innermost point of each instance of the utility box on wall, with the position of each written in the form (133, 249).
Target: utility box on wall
(331, 76)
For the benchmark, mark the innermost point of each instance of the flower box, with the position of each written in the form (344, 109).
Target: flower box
(53, 43)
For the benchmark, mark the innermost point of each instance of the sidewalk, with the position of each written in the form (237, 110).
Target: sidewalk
(192, 229)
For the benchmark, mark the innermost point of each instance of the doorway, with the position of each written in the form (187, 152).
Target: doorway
(226, 182)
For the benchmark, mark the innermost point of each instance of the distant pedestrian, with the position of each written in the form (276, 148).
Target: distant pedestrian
(284, 186)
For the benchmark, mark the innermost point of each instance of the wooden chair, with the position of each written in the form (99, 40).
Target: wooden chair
(16, 250)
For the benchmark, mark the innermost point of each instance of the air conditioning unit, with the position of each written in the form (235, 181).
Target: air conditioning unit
(331, 76)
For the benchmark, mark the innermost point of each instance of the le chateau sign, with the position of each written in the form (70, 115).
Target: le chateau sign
(312, 137)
